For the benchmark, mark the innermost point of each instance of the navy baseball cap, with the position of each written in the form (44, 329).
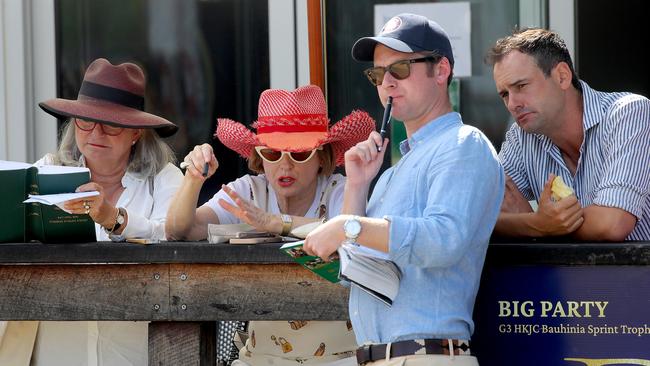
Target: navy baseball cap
(406, 33)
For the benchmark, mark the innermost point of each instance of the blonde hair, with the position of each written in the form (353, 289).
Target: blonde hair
(326, 156)
(148, 156)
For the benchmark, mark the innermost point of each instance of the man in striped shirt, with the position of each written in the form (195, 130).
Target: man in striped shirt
(599, 143)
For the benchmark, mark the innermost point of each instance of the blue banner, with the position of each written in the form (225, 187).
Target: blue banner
(563, 315)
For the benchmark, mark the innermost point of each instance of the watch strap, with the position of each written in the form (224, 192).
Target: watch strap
(121, 213)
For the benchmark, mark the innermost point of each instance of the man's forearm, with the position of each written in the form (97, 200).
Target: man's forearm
(605, 224)
(355, 200)
(517, 225)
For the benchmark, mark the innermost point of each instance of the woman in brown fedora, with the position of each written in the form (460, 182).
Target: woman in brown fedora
(132, 169)
(294, 153)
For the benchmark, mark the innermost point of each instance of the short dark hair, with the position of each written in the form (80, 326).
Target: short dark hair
(437, 57)
(326, 156)
(545, 46)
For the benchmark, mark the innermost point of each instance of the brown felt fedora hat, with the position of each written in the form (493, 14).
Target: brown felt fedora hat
(113, 95)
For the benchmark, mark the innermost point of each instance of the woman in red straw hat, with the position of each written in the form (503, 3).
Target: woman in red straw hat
(294, 153)
(132, 169)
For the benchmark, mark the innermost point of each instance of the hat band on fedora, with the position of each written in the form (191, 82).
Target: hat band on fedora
(113, 95)
(297, 123)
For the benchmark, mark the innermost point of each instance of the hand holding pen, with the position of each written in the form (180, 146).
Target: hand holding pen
(202, 159)
(206, 167)
(385, 120)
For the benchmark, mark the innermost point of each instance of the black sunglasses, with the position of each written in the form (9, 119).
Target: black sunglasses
(400, 69)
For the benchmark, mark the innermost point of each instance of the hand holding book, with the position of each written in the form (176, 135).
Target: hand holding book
(59, 199)
(362, 267)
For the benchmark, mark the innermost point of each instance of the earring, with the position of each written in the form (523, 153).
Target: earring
(133, 142)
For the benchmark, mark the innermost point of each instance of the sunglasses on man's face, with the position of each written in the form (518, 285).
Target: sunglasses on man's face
(89, 126)
(273, 156)
(400, 69)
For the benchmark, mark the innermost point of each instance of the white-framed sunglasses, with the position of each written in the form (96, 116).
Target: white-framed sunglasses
(273, 156)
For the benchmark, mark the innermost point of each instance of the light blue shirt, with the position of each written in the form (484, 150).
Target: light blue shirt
(442, 200)
(614, 165)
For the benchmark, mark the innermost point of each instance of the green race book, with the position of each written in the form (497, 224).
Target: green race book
(327, 270)
(23, 222)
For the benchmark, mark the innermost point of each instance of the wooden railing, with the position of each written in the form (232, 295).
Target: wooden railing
(184, 287)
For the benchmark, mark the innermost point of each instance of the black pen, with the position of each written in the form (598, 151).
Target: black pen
(384, 121)
(185, 165)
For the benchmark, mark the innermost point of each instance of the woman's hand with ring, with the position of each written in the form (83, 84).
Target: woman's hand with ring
(195, 161)
(86, 207)
(96, 207)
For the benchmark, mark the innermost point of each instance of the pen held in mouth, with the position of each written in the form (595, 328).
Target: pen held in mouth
(385, 120)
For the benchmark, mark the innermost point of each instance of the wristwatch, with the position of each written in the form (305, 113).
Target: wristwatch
(352, 229)
(120, 219)
(287, 221)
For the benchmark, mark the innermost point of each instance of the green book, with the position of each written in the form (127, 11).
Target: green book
(23, 222)
(327, 270)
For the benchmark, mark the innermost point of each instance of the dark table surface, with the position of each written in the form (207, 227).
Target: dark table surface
(499, 253)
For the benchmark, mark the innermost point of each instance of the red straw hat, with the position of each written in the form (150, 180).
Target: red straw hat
(295, 121)
(113, 95)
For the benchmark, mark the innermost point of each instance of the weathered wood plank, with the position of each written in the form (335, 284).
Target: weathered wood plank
(253, 292)
(84, 292)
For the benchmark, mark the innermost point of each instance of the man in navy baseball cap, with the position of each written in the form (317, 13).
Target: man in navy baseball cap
(432, 214)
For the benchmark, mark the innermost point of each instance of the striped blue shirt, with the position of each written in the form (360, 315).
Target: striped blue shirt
(442, 200)
(614, 165)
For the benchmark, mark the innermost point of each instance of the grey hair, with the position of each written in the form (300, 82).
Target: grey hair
(148, 156)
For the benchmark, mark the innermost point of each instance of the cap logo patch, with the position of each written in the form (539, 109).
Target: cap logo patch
(392, 25)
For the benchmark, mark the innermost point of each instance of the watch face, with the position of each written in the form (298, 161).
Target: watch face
(352, 228)
(120, 218)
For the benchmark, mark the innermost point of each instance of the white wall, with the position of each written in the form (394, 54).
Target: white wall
(288, 38)
(27, 76)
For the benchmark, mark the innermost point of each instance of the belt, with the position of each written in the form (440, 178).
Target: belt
(375, 352)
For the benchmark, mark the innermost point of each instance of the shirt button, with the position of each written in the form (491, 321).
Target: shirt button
(356, 313)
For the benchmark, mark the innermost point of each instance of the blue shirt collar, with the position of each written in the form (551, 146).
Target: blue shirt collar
(432, 128)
